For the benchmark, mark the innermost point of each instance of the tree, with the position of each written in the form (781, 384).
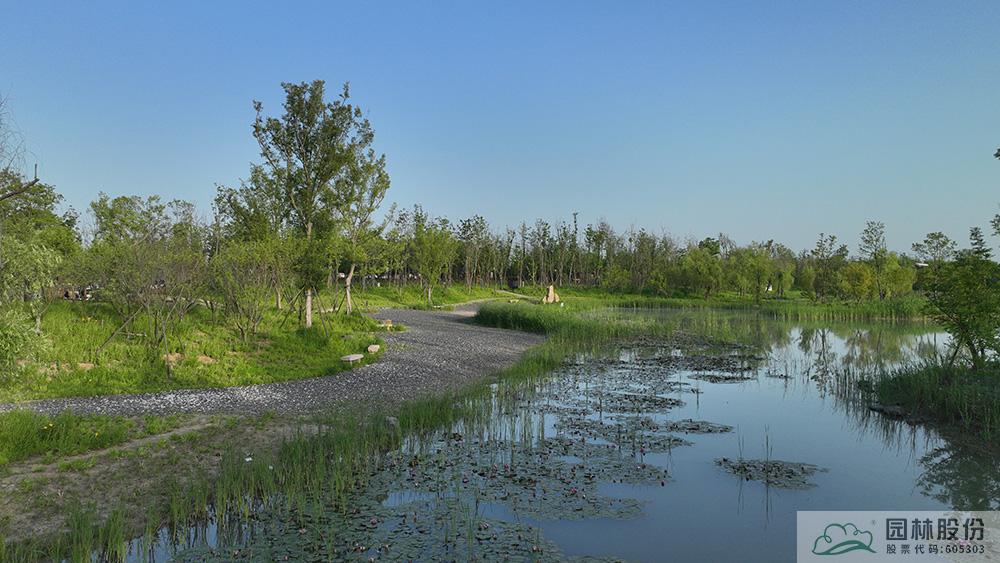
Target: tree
(306, 150)
(359, 194)
(874, 251)
(433, 248)
(148, 259)
(27, 270)
(474, 234)
(857, 280)
(935, 248)
(241, 274)
(827, 259)
(964, 296)
(700, 271)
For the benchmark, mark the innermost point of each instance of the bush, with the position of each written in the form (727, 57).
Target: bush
(18, 341)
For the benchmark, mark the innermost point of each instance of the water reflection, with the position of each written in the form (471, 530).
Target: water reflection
(621, 444)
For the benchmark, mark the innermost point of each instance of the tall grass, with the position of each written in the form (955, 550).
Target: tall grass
(956, 396)
(24, 434)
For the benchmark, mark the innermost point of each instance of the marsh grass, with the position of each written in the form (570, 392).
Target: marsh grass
(793, 307)
(326, 460)
(955, 396)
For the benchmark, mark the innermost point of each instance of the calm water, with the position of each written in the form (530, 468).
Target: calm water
(809, 416)
(591, 462)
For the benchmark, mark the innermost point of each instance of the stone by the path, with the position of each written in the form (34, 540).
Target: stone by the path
(351, 358)
(551, 296)
(374, 348)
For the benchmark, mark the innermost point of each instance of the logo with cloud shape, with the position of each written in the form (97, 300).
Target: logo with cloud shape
(838, 539)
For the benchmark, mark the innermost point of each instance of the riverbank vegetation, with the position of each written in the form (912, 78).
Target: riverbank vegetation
(962, 387)
(145, 294)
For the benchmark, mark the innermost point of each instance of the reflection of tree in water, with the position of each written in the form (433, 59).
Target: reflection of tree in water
(961, 476)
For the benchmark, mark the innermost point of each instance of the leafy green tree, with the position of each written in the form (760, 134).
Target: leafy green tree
(241, 274)
(474, 235)
(700, 271)
(432, 250)
(27, 271)
(857, 281)
(827, 259)
(964, 297)
(874, 251)
(935, 248)
(359, 194)
(18, 341)
(306, 150)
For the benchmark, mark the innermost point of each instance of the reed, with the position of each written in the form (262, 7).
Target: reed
(956, 396)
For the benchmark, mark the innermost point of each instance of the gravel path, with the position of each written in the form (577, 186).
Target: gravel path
(439, 351)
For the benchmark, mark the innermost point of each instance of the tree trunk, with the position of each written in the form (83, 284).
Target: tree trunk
(309, 297)
(347, 289)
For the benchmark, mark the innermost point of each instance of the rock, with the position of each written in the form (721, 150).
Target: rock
(374, 348)
(551, 296)
(351, 358)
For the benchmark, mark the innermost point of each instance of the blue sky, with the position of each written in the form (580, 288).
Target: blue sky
(762, 120)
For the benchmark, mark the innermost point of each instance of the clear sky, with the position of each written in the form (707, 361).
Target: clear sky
(759, 119)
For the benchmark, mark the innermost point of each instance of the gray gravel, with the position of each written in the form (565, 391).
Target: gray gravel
(440, 351)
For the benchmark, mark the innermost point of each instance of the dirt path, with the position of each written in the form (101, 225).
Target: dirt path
(439, 351)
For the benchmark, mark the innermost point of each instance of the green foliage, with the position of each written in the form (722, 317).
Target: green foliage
(857, 281)
(432, 250)
(964, 297)
(27, 270)
(242, 273)
(206, 353)
(18, 342)
(950, 394)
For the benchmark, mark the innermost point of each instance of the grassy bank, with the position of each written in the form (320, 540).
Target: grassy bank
(315, 463)
(794, 306)
(956, 397)
(25, 434)
(414, 296)
(203, 352)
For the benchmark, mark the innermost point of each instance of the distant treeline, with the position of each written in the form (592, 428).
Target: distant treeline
(304, 220)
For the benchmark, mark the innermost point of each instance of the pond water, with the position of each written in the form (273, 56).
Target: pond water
(619, 455)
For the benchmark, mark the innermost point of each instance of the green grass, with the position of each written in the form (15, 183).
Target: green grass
(794, 306)
(954, 396)
(25, 434)
(208, 353)
(324, 469)
(414, 296)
